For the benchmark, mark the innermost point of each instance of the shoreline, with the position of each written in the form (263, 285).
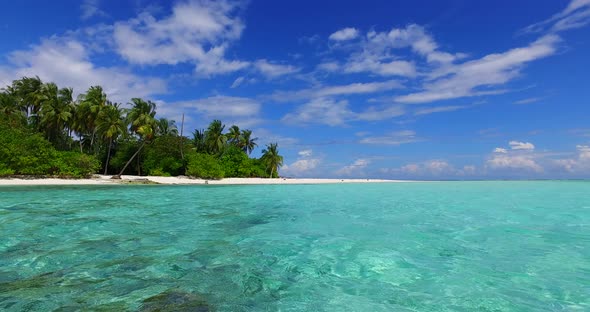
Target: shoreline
(130, 179)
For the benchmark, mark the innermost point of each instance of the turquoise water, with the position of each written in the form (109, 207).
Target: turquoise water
(442, 246)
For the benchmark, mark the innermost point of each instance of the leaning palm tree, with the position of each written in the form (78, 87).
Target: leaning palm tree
(247, 143)
(142, 122)
(271, 158)
(110, 125)
(215, 139)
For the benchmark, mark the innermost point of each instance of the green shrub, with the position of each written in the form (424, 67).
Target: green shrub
(204, 166)
(23, 152)
(74, 164)
(158, 172)
(6, 171)
(163, 156)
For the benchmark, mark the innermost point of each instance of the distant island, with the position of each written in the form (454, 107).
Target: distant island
(45, 132)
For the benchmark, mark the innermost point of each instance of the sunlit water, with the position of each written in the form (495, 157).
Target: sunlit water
(441, 246)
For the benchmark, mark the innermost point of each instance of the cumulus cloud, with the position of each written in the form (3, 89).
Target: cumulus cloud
(344, 34)
(66, 61)
(305, 164)
(435, 168)
(509, 161)
(354, 169)
(579, 164)
(519, 157)
(197, 31)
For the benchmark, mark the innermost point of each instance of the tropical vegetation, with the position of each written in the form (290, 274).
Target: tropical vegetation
(44, 131)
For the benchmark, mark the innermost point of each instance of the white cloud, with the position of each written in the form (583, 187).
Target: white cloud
(329, 66)
(439, 109)
(237, 82)
(527, 101)
(272, 70)
(466, 79)
(303, 165)
(372, 64)
(435, 168)
(321, 111)
(515, 145)
(305, 153)
(575, 15)
(394, 138)
(356, 168)
(579, 164)
(243, 112)
(223, 106)
(348, 33)
(521, 156)
(66, 61)
(197, 31)
(414, 37)
(509, 162)
(91, 8)
(337, 90)
(267, 136)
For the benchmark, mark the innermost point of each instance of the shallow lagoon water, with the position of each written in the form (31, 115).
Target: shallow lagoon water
(440, 246)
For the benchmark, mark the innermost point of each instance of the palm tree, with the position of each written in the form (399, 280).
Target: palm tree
(234, 135)
(271, 158)
(26, 91)
(56, 110)
(215, 140)
(143, 123)
(167, 127)
(247, 143)
(200, 141)
(9, 107)
(110, 125)
(90, 105)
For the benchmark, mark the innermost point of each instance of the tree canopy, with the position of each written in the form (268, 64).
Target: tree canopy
(45, 131)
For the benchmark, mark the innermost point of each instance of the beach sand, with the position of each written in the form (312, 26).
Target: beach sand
(126, 179)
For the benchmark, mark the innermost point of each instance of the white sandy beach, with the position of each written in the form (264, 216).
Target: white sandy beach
(106, 179)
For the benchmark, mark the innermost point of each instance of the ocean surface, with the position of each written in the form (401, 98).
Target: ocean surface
(428, 246)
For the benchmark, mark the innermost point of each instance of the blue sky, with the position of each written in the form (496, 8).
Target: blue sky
(376, 89)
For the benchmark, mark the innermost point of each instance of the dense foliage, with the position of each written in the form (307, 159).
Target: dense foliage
(44, 131)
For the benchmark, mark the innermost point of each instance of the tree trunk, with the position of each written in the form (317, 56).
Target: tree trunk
(106, 166)
(182, 139)
(272, 170)
(138, 166)
(130, 160)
